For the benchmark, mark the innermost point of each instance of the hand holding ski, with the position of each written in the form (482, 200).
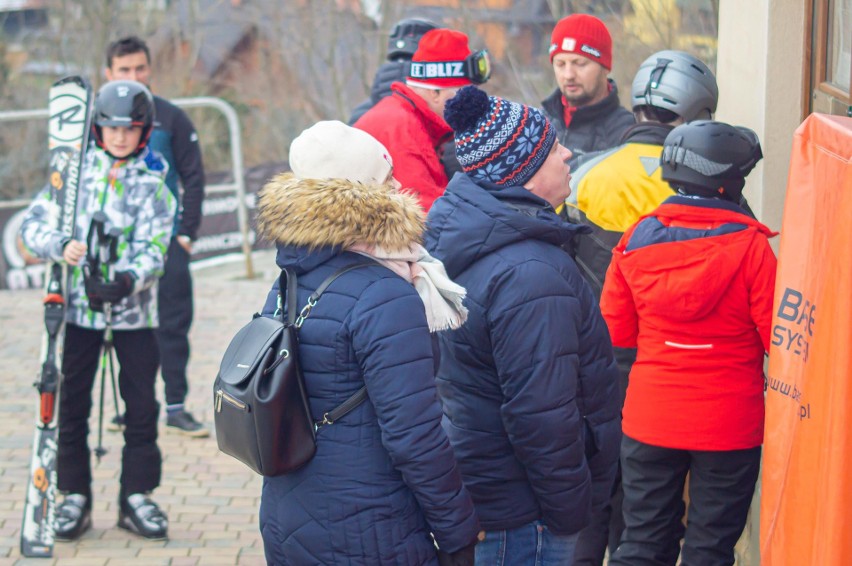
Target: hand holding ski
(74, 251)
(68, 129)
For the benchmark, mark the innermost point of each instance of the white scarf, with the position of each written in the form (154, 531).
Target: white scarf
(441, 296)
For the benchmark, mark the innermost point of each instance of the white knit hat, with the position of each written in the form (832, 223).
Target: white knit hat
(333, 150)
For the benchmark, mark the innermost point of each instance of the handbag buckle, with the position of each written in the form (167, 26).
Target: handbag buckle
(277, 312)
(325, 421)
(306, 311)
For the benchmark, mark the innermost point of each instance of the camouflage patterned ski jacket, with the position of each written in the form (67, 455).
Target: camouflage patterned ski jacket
(134, 196)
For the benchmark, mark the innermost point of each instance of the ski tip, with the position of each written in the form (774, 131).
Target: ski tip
(75, 79)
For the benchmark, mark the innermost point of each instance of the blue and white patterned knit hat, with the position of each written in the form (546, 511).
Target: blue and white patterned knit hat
(498, 140)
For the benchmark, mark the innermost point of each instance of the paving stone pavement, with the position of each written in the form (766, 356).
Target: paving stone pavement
(212, 500)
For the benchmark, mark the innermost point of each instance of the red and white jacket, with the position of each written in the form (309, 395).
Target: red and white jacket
(413, 135)
(691, 287)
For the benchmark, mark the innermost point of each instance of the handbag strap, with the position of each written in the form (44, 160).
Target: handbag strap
(289, 277)
(343, 409)
(287, 280)
(312, 300)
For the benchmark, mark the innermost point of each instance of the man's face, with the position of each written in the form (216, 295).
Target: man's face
(581, 80)
(552, 181)
(439, 101)
(120, 141)
(131, 67)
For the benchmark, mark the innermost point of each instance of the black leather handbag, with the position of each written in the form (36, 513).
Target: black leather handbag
(262, 416)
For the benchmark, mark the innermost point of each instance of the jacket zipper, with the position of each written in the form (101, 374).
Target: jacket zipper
(221, 395)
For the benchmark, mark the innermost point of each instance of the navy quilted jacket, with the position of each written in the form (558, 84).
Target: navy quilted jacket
(384, 476)
(528, 384)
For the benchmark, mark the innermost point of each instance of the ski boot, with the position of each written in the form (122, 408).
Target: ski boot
(138, 514)
(73, 517)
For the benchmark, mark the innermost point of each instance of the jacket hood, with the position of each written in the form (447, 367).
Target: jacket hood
(437, 129)
(388, 73)
(146, 161)
(685, 272)
(653, 133)
(321, 217)
(476, 218)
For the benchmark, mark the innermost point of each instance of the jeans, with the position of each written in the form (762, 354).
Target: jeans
(532, 544)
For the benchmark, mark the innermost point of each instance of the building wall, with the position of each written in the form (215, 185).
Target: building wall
(760, 70)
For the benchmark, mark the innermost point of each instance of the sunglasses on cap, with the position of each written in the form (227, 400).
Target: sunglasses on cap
(476, 67)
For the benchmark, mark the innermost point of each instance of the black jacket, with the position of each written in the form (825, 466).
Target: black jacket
(175, 138)
(387, 74)
(593, 128)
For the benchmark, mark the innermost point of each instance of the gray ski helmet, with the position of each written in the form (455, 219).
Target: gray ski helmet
(703, 156)
(405, 36)
(124, 103)
(678, 82)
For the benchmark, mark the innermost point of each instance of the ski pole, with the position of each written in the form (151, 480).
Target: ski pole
(103, 248)
(100, 450)
(111, 258)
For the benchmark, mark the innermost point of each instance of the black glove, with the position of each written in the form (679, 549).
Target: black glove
(463, 557)
(100, 292)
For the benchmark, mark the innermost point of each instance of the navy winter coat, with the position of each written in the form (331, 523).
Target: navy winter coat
(384, 475)
(528, 384)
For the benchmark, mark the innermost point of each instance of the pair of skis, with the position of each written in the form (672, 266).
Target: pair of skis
(70, 109)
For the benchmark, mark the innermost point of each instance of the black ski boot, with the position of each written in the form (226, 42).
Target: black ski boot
(138, 514)
(73, 517)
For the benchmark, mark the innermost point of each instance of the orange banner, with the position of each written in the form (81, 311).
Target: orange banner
(806, 505)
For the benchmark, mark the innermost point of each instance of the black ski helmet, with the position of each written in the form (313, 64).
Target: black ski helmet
(710, 159)
(405, 36)
(124, 103)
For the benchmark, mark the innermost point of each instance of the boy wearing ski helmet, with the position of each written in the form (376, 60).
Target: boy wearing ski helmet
(609, 193)
(122, 187)
(690, 286)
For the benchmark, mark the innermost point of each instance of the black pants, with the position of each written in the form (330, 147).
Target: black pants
(607, 522)
(605, 525)
(721, 485)
(174, 304)
(141, 462)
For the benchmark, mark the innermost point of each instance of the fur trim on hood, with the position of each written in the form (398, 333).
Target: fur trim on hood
(337, 212)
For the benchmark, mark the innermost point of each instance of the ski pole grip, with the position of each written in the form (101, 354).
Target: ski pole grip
(95, 240)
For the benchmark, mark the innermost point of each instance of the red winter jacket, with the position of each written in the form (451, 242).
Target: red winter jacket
(413, 135)
(691, 286)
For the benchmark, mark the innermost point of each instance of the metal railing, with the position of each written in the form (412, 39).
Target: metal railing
(237, 169)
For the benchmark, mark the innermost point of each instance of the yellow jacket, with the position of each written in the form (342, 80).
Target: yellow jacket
(611, 191)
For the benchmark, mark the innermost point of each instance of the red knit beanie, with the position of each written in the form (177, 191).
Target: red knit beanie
(584, 35)
(439, 60)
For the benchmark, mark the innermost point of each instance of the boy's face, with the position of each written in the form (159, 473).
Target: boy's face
(130, 67)
(120, 141)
